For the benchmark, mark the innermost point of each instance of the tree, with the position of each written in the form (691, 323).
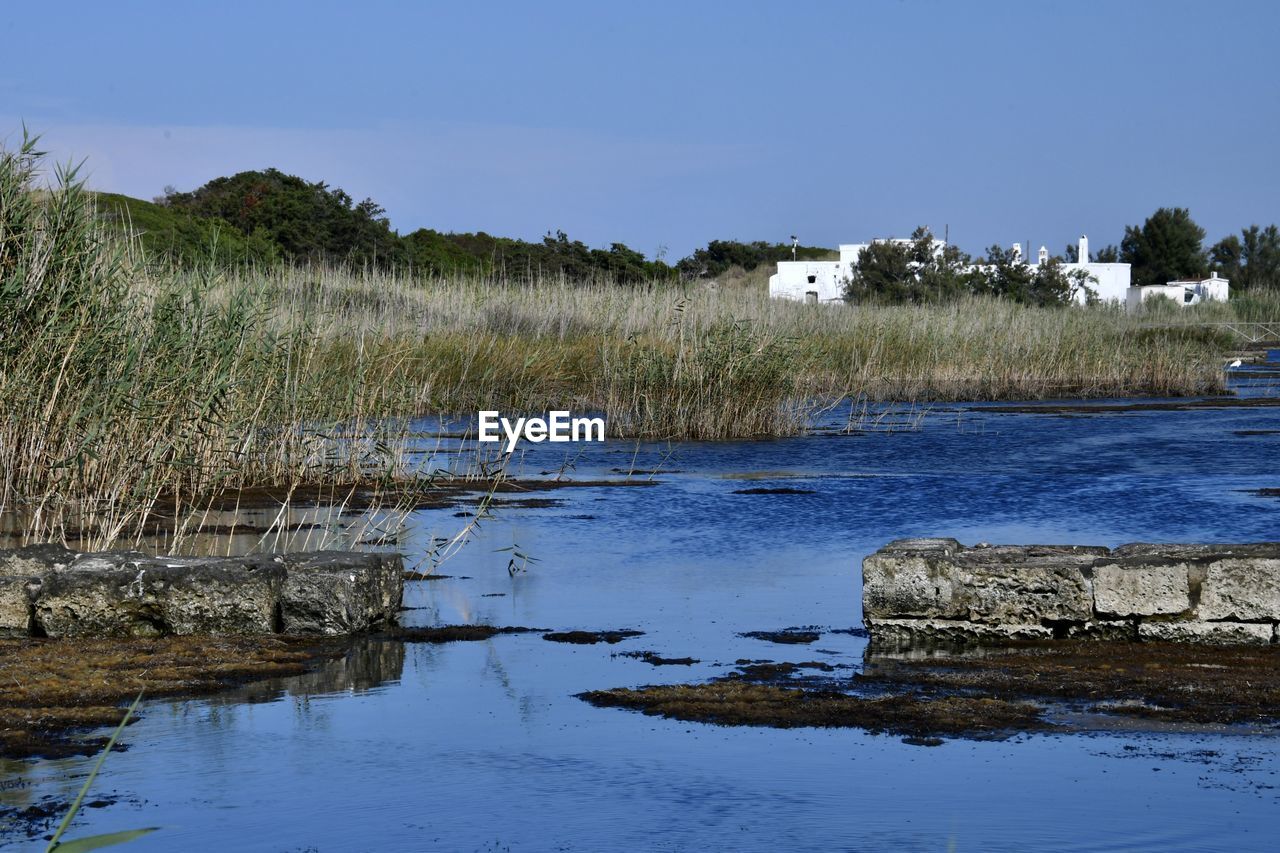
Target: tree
(1106, 255)
(920, 271)
(307, 221)
(1252, 260)
(1225, 258)
(1167, 247)
(720, 255)
(885, 273)
(1007, 276)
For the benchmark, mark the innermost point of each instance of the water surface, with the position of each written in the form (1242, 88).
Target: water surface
(482, 746)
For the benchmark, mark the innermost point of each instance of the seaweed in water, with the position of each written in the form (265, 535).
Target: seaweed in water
(587, 638)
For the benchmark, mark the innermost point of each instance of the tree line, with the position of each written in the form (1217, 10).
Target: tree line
(924, 270)
(267, 217)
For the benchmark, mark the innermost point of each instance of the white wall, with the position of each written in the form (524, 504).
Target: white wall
(1110, 281)
(795, 279)
(1138, 295)
(1209, 290)
(1213, 289)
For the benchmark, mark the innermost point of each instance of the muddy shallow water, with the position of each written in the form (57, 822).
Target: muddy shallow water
(482, 745)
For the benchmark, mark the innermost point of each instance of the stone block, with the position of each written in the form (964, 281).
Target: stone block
(1241, 588)
(992, 585)
(126, 594)
(1121, 589)
(340, 592)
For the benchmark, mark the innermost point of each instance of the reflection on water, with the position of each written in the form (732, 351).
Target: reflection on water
(369, 663)
(482, 745)
(246, 530)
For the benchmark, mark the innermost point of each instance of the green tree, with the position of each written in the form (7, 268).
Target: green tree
(1257, 258)
(920, 271)
(307, 221)
(1108, 254)
(1006, 275)
(720, 255)
(885, 272)
(1225, 258)
(1167, 247)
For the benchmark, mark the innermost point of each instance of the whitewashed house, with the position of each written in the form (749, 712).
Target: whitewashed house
(817, 281)
(1110, 282)
(1190, 292)
(823, 281)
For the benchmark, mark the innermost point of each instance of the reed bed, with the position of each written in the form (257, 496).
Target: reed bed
(132, 392)
(702, 359)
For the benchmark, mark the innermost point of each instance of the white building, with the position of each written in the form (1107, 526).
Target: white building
(1110, 282)
(1190, 292)
(823, 281)
(818, 281)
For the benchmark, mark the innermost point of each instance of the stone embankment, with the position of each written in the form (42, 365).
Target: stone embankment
(49, 591)
(929, 591)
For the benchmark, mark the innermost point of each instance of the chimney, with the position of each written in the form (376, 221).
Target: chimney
(1083, 252)
(1042, 256)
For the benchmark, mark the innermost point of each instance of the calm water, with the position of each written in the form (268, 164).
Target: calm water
(481, 746)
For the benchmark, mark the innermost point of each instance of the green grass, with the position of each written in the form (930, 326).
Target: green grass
(176, 238)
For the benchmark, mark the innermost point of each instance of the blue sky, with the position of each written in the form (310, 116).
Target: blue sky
(669, 124)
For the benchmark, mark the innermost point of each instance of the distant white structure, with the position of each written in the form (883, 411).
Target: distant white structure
(823, 281)
(1190, 292)
(1110, 282)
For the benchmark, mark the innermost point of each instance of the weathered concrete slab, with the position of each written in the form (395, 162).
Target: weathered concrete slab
(939, 590)
(903, 632)
(55, 592)
(1217, 633)
(1121, 589)
(131, 595)
(1242, 588)
(940, 579)
(332, 592)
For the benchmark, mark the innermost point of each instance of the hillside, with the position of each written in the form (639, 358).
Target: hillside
(267, 217)
(175, 236)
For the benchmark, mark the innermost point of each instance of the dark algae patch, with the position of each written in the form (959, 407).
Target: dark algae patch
(983, 693)
(54, 689)
(1166, 682)
(742, 703)
(587, 638)
(455, 633)
(1262, 493)
(655, 659)
(768, 671)
(789, 636)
